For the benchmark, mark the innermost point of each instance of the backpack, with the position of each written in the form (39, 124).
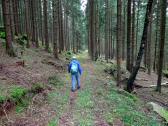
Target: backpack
(74, 68)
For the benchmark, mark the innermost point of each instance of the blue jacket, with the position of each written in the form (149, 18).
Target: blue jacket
(79, 66)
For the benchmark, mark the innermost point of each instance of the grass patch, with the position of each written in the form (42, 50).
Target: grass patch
(84, 106)
(129, 109)
(16, 93)
(53, 122)
(84, 100)
(22, 105)
(56, 81)
(37, 87)
(2, 99)
(58, 101)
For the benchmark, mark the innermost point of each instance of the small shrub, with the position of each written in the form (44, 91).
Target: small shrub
(49, 50)
(165, 73)
(56, 81)
(21, 40)
(22, 106)
(68, 54)
(2, 99)
(3, 35)
(17, 93)
(38, 87)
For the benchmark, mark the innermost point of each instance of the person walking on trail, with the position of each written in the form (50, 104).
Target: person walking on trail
(75, 69)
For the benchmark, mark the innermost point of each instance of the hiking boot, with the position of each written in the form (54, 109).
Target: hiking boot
(72, 90)
(78, 87)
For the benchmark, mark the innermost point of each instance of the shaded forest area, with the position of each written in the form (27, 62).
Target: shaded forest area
(121, 44)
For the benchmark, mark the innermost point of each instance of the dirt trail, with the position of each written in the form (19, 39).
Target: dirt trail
(68, 119)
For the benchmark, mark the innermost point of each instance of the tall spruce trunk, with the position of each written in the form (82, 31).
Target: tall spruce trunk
(27, 22)
(7, 24)
(119, 41)
(149, 44)
(128, 64)
(130, 82)
(55, 29)
(162, 43)
(46, 25)
(133, 35)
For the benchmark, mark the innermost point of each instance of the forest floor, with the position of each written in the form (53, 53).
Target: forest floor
(97, 103)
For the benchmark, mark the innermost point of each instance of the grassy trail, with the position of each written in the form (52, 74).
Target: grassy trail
(98, 102)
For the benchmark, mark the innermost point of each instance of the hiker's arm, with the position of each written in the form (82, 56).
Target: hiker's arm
(69, 67)
(80, 68)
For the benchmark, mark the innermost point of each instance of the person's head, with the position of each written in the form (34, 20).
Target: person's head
(74, 58)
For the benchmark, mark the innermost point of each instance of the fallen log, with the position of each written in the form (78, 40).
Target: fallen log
(165, 84)
(159, 110)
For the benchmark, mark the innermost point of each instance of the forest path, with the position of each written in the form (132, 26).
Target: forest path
(81, 110)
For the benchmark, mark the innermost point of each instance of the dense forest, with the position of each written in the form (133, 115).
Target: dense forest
(123, 41)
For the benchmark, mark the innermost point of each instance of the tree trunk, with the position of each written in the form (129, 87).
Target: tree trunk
(55, 29)
(162, 43)
(156, 36)
(149, 44)
(130, 82)
(133, 35)
(7, 24)
(46, 25)
(128, 65)
(119, 41)
(124, 31)
(27, 23)
(106, 30)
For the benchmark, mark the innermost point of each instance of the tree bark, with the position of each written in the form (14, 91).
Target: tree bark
(128, 65)
(55, 29)
(130, 82)
(162, 43)
(7, 24)
(119, 41)
(46, 25)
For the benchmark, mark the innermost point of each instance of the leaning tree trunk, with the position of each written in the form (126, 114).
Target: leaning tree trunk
(162, 42)
(130, 82)
(7, 24)
(133, 35)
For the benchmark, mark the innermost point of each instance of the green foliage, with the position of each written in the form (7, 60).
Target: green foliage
(3, 35)
(37, 87)
(68, 54)
(84, 100)
(53, 122)
(22, 105)
(56, 81)
(2, 99)
(17, 93)
(21, 39)
(128, 109)
(49, 50)
(165, 73)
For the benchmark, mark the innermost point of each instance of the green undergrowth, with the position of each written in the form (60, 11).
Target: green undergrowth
(2, 35)
(58, 98)
(56, 81)
(84, 106)
(22, 106)
(67, 54)
(20, 95)
(16, 93)
(165, 73)
(126, 107)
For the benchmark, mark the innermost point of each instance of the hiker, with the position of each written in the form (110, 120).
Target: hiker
(75, 69)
